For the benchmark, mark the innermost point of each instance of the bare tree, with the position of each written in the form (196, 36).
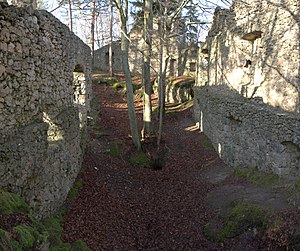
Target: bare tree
(110, 53)
(122, 7)
(70, 15)
(167, 16)
(92, 38)
(147, 47)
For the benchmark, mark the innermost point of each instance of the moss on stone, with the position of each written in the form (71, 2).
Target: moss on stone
(256, 176)
(297, 184)
(100, 79)
(12, 203)
(80, 245)
(26, 236)
(74, 190)
(114, 149)
(139, 158)
(207, 144)
(53, 227)
(34, 234)
(240, 217)
(62, 247)
(119, 86)
(7, 243)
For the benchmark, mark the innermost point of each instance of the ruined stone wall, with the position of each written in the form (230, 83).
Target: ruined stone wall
(248, 134)
(181, 57)
(43, 106)
(201, 77)
(254, 50)
(102, 58)
(249, 105)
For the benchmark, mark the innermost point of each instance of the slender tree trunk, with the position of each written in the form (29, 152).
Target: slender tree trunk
(163, 64)
(92, 40)
(110, 53)
(148, 24)
(160, 77)
(70, 15)
(123, 11)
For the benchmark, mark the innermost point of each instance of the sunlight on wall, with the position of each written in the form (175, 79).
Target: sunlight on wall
(220, 150)
(192, 128)
(80, 96)
(258, 76)
(201, 121)
(54, 132)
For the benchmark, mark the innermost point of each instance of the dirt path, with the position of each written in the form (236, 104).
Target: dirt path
(124, 207)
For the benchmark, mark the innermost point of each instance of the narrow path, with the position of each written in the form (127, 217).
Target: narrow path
(123, 207)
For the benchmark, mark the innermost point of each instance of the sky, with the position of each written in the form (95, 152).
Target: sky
(83, 33)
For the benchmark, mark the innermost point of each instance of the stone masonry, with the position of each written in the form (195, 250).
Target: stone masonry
(45, 88)
(182, 57)
(249, 103)
(102, 58)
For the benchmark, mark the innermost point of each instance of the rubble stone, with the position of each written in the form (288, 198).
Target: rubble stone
(41, 135)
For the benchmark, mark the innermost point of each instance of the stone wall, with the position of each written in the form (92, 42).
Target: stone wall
(102, 58)
(249, 104)
(45, 88)
(182, 57)
(248, 134)
(254, 49)
(179, 90)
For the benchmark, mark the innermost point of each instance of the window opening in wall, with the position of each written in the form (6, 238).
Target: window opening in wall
(248, 63)
(193, 67)
(251, 36)
(78, 68)
(79, 87)
(107, 57)
(194, 52)
(172, 67)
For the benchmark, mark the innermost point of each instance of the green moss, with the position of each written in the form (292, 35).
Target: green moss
(111, 80)
(53, 227)
(241, 217)
(97, 127)
(100, 79)
(74, 190)
(139, 158)
(119, 86)
(114, 149)
(12, 203)
(31, 235)
(297, 184)
(80, 245)
(26, 235)
(7, 243)
(62, 247)
(256, 177)
(207, 144)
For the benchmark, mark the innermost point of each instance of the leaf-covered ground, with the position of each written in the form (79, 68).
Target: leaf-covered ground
(128, 207)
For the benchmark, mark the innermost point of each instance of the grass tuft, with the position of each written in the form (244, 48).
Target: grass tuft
(256, 176)
(25, 235)
(139, 158)
(12, 203)
(80, 245)
(119, 86)
(207, 144)
(241, 217)
(7, 243)
(74, 190)
(34, 235)
(297, 184)
(114, 149)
